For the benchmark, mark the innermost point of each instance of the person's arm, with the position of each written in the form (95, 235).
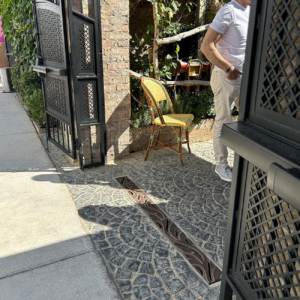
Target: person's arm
(209, 49)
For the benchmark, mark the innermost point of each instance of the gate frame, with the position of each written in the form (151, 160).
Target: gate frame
(256, 145)
(99, 82)
(61, 3)
(74, 101)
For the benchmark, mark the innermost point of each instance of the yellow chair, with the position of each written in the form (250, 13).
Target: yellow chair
(155, 92)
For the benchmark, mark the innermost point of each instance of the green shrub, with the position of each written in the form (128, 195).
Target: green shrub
(18, 28)
(35, 103)
(28, 85)
(141, 118)
(200, 105)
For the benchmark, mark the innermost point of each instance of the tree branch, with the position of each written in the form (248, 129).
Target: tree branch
(178, 83)
(181, 36)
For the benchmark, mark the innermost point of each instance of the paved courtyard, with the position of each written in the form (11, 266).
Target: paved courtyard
(141, 259)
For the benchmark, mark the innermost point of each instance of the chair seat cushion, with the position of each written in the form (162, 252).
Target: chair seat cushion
(176, 120)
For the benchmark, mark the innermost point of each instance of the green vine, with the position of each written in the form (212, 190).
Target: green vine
(18, 28)
(169, 15)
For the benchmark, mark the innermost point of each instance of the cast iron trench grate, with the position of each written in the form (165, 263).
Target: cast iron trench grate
(202, 264)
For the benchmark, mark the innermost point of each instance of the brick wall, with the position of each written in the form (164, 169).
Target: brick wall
(115, 41)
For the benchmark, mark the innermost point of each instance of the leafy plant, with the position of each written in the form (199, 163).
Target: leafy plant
(170, 13)
(28, 86)
(200, 105)
(141, 119)
(18, 28)
(35, 104)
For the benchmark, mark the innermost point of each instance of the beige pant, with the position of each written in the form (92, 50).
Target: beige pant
(226, 96)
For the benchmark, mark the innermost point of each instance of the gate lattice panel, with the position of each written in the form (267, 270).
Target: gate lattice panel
(269, 257)
(88, 86)
(53, 68)
(262, 255)
(278, 97)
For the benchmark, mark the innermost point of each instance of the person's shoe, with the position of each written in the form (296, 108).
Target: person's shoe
(224, 172)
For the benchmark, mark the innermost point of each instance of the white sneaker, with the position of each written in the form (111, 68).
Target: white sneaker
(224, 172)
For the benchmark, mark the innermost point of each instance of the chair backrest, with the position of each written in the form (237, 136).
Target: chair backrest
(155, 92)
(195, 68)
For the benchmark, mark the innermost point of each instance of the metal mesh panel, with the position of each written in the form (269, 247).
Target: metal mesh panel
(50, 34)
(88, 101)
(85, 47)
(270, 261)
(55, 92)
(281, 87)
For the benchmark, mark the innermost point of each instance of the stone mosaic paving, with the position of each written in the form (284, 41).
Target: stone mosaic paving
(143, 262)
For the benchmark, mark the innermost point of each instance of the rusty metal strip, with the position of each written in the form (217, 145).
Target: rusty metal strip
(202, 264)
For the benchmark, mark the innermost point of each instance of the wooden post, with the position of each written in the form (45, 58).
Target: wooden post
(155, 45)
(201, 14)
(150, 57)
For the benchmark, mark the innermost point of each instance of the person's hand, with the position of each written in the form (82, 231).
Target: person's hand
(233, 74)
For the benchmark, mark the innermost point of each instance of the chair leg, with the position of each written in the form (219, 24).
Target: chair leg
(156, 143)
(150, 142)
(187, 136)
(180, 145)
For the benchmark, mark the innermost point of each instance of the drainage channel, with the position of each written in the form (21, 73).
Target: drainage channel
(205, 267)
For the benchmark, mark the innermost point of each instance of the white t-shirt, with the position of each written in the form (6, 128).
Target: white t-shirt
(232, 22)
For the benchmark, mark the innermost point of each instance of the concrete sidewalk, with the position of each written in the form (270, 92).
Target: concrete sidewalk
(45, 253)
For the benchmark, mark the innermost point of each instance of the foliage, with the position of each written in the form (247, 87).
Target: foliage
(28, 86)
(169, 15)
(139, 61)
(200, 105)
(141, 118)
(35, 104)
(164, 70)
(18, 28)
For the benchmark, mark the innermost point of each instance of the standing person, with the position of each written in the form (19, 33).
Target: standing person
(224, 45)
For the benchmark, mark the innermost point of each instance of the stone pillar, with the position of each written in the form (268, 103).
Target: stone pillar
(115, 41)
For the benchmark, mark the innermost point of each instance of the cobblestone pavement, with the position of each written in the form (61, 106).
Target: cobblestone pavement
(143, 262)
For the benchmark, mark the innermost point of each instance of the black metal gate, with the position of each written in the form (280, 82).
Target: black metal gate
(53, 67)
(78, 53)
(87, 69)
(262, 256)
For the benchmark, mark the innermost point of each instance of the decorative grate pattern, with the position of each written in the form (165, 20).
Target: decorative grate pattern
(50, 35)
(85, 47)
(202, 264)
(55, 94)
(271, 248)
(281, 87)
(88, 101)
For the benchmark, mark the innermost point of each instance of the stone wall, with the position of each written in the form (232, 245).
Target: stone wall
(115, 41)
